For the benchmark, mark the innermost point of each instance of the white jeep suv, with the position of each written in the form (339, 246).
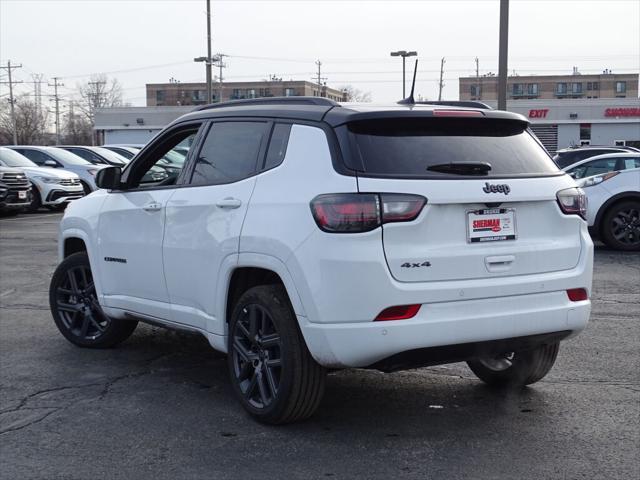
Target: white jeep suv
(304, 235)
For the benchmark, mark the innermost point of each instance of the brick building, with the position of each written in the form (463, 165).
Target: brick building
(177, 94)
(534, 87)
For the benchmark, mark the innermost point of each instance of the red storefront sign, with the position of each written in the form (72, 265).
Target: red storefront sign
(538, 113)
(622, 112)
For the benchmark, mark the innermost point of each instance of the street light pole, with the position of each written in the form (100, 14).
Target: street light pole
(404, 54)
(502, 54)
(209, 85)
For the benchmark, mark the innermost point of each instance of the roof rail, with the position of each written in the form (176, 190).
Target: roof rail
(319, 101)
(458, 103)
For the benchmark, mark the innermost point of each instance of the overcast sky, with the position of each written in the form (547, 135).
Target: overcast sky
(150, 41)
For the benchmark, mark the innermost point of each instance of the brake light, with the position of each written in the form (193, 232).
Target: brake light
(577, 294)
(457, 113)
(399, 312)
(573, 201)
(363, 212)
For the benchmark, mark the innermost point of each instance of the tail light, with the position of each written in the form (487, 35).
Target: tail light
(363, 212)
(577, 294)
(573, 201)
(400, 312)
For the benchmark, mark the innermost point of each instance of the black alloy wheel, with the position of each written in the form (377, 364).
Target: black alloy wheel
(76, 310)
(273, 374)
(621, 226)
(257, 356)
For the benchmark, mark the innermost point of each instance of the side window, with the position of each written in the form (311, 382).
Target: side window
(229, 153)
(161, 165)
(599, 166)
(631, 163)
(88, 156)
(278, 145)
(35, 156)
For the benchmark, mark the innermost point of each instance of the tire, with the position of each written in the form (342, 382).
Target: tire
(36, 201)
(272, 373)
(516, 369)
(75, 308)
(620, 226)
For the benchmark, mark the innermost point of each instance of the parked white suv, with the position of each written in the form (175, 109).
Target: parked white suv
(304, 235)
(613, 214)
(54, 188)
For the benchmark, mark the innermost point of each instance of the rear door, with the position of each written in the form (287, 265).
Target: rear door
(506, 222)
(204, 219)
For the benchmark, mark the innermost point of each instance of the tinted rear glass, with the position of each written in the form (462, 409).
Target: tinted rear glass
(407, 147)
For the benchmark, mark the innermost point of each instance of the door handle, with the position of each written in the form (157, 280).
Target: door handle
(229, 202)
(152, 207)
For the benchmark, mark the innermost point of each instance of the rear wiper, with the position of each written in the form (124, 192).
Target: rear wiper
(462, 168)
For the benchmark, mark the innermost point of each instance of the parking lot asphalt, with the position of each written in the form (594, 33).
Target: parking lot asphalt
(160, 406)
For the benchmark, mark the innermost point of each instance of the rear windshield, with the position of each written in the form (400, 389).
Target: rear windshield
(564, 159)
(405, 148)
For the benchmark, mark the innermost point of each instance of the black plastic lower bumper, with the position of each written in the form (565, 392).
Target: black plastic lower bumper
(424, 357)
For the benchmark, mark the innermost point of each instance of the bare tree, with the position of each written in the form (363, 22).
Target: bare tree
(355, 95)
(31, 122)
(98, 92)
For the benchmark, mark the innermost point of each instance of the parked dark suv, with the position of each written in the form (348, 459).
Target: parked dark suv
(15, 190)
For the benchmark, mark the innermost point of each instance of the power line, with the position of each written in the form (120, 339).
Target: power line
(12, 100)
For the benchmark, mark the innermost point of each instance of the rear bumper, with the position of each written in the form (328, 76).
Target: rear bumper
(364, 344)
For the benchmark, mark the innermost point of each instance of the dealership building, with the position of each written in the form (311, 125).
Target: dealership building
(568, 122)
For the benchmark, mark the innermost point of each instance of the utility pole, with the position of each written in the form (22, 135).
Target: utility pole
(12, 100)
(502, 54)
(220, 64)
(56, 99)
(209, 59)
(441, 84)
(478, 88)
(320, 78)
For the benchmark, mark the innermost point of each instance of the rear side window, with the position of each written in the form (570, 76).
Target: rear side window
(277, 145)
(406, 148)
(230, 152)
(595, 167)
(35, 156)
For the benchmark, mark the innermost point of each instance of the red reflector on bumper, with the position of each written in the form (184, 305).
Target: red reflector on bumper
(577, 294)
(400, 312)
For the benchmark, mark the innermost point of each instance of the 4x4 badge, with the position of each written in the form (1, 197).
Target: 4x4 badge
(503, 188)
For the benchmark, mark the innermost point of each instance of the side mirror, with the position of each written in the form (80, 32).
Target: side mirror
(50, 163)
(108, 178)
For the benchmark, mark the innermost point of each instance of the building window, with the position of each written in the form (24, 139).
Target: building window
(289, 92)
(159, 96)
(576, 88)
(596, 86)
(198, 96)
(517, 89)
(585, 132)
(589, 86)
(532, 89)
(621, 87)
(237, 94)
(474, 90)
(251, 93)
(561, 88)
